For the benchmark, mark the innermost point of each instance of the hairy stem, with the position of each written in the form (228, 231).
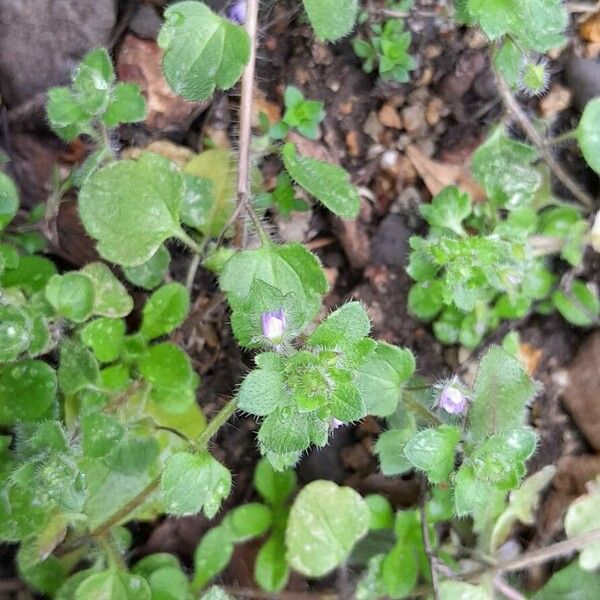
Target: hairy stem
(513, 107)
(243, 181)
(431, 557)
(202, 441)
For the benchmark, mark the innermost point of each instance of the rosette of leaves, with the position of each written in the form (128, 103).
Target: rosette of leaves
(493, 442)
(94, 101)
(300, 114)
(300, 392)
(387, 50)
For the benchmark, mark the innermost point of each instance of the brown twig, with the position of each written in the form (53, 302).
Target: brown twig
(513, 107)
(247, 96)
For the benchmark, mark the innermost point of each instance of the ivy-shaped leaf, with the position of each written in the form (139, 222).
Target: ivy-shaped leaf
(327, 183)
(131, 207)
(203, 51)
(324, 524)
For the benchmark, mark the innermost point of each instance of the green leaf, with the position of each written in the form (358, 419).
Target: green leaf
(325, 523)
(342, 328)
(105, 337)
(153, 562)
(110, 296)
(522, 505)
(588, 135)
(113, 585)
(217, 166)
(248, 521)
(169, 583)
(448, 210)
(509, 61)
(502, 391)
(381, 378)
(271, 570)
(399, 571)
(194, 482)
(67, 118)
(390, 450)
(100, 434)
(168, 368)
(165, 310)
(432, 451)
(93, 80)
(583, 516)
(425, 299)
(459, 590)
(290, 268)
(31, 274)
(131, 207)
(9, 200)
(570, 583)
(327, 183)
(197, 201)
(126, 105)
(16, 331)
(580, 305)
(261, 392)
(504, 168)
(150, 274)
(331, 19)
(202, 51)
(382, 514)
(77, 367)
(27, 391)
(274, 486)
(71, 295)
(212, 556)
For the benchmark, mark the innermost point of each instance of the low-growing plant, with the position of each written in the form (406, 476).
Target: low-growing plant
(100, 420)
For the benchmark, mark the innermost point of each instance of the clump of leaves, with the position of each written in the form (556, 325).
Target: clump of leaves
(483, 263)
(94, 100)
(300, 114)
(387, 49)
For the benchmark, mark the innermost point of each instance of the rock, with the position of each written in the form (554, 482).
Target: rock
(389, 117)
(145, 22)
(456, 84)
(373, 127)
(354, 238)
(435, 111)
(556, 101)
(413, 118)
(41, 41)
(139, 61)
(389, 245)
(581, 392)
(583, 77)
(589, 30)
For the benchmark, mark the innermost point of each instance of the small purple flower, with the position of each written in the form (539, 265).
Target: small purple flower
(237, 12)
(336, 423)
(452, 400)
(273, 325)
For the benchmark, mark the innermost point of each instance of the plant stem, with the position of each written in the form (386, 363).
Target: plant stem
(506, 590)
(431, 557)
(190, 242)
(191, 274)
(247, 93)
(513, 107)
(563, 137)
(216, 423)
(112, 553)
(202, 441)
(536, 557)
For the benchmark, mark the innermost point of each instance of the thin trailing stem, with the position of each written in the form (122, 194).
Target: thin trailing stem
(247, 93)
(536, 557)
(563, 137)
(211, 429)
(507, 590)
(431, 557)
(513, 107)
(111, 551)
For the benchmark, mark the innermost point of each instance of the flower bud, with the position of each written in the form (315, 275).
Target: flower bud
(237, 12)
(336, 423)
(452, 400)
(273, 325)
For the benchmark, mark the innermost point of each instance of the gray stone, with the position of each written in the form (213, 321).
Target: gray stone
(41, 41)
(389, 245)
(145, 22)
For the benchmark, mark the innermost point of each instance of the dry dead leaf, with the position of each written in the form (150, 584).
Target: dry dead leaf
(438, 175)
